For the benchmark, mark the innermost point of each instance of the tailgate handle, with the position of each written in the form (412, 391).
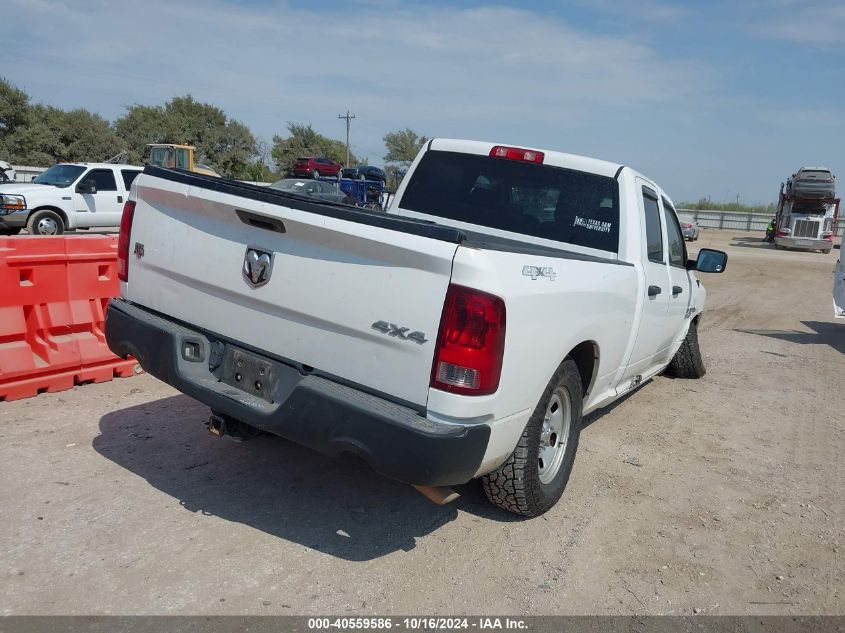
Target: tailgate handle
(261, 221)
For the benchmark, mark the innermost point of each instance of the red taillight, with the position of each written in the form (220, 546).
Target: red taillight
(784, 233)
(517, 153)
(123, 240)
(470, 343)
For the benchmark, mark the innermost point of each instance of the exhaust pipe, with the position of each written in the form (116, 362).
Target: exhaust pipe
(441, 495)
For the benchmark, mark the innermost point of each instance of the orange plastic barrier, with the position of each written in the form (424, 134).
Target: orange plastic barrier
(53, 295)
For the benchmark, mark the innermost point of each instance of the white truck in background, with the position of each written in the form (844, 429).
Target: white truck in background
(7, 173)
(506, 293)
(67, 196)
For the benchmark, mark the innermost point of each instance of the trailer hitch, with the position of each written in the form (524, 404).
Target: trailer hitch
(231, 429)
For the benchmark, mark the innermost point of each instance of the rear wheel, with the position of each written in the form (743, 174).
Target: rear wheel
(533, 478)
(45, 222)
(687, 362)
(315, 174)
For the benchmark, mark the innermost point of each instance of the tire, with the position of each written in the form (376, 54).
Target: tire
(45, 222)
(315, 174)
(13, 231)
(525, 484)
(687, 362)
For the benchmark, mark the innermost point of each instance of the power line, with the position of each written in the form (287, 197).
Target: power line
(348, 118)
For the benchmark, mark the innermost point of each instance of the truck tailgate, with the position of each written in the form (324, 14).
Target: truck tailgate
(334, 273)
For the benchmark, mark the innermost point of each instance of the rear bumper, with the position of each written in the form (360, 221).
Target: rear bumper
(804, 242)
(14, 220)
(309, 409)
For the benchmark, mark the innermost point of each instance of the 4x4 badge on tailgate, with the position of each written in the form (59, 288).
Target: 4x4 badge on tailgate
(391, 329)
(257, 266)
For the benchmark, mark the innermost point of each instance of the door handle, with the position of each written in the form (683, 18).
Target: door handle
(676, 290)
(653, 291)
(120, 198)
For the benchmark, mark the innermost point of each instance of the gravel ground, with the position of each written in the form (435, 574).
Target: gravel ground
(717, 496)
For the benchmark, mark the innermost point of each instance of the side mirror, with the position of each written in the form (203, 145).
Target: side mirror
(86, 186)
(709, 261)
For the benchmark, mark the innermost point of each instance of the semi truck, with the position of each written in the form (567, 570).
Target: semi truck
(807, 211)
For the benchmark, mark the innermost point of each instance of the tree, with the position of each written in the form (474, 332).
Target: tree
(303, 140)
(403, 146)
(226, 144)
(51, 135)
(14, 104)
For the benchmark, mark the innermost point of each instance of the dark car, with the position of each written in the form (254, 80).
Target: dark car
(313, 189)
(364, 172)
(314, 166)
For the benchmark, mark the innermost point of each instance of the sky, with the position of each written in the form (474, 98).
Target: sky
(714, 98)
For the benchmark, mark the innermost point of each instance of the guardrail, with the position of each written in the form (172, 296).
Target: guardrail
(736, 221)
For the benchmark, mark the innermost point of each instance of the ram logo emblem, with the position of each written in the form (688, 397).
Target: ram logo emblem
(403, 333)
(257, 267)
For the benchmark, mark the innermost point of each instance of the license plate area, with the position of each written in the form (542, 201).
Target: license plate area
(249, 372)
(805, 243)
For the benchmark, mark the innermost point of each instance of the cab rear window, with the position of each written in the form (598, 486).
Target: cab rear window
(538, 200)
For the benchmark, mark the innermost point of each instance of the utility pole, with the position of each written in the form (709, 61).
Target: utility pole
(348, 118)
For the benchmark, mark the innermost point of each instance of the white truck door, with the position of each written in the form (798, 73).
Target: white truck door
(680, 291)
(104, 207)
(651, 343)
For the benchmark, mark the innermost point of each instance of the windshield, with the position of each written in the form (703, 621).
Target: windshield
(816, 174)
(59, 175)
(292, 184)
(539, 200)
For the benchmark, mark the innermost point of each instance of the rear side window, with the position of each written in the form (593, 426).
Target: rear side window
(677, 250)
(538, 200)
(653, 234)
(103, 179)
(129, 175)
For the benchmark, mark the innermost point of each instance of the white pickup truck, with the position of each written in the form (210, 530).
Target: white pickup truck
(463, 334)
(65, 197)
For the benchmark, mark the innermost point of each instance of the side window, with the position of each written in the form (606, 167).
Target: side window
(129, 175)
(677, 250)
(653, 234)
(103, 179)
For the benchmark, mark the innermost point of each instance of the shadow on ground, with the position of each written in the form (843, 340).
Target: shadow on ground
(338, 506)
(752, 242)
(823, 333)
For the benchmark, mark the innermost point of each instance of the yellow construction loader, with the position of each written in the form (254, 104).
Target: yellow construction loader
(177, 156)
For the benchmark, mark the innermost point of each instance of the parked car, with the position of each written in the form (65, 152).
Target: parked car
(690, 231)
(65, 197)
(313, 189)
(456, 336)
(315, 166)
(364, 172)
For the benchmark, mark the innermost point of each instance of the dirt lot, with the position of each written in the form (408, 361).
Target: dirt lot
(722, 495)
